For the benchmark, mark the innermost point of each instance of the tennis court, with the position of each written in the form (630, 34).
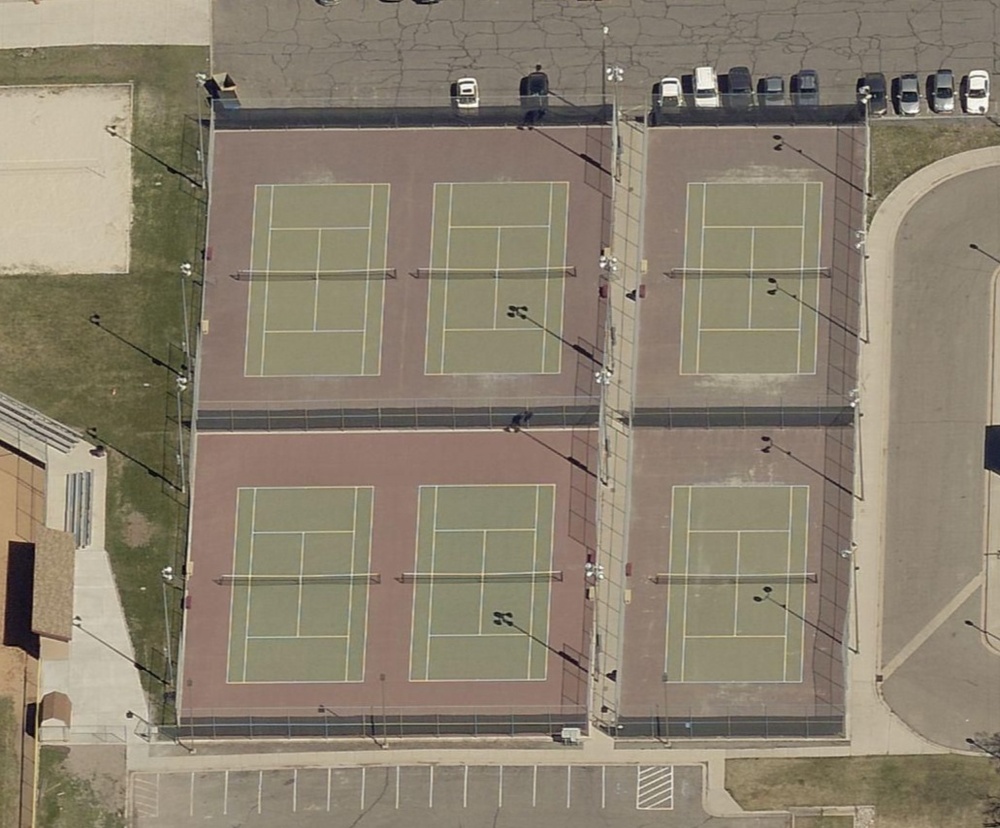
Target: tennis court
(317, 280)
(299, 584)
(482, 583)
(751, 274)
(497, 278)
(736, 584)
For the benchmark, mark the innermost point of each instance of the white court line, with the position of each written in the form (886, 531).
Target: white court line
(368, 282)
(499, 226)
(302, 565)
(350, 592)
(742, 531)
(246, 628)
(319, 253)
(496, 282)
(267, 285)
(482, 583)
(788, 568)
(447, 264)
(687, 570)
(430, 589)
(317, 330)
(755, 226)
(255, 532)
(330, 637)
(736, 589)
(802, 258)
(492, 330)
(753, 330)
(735, 635)
(701, 282)
(470, 635)
(367, 586)
(753, 247)
(498, 530)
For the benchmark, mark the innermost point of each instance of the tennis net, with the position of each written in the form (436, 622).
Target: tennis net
(735, 578)
(480, 577)
(564, 272)
(295, 579)
(370, 274)
(759, 275)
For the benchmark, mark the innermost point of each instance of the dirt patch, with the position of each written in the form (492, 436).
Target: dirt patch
(138, 530)
(103, 766)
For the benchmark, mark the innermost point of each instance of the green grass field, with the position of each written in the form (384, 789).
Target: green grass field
(900, 150)
(56, 361)
(10, 766)
(907, 791)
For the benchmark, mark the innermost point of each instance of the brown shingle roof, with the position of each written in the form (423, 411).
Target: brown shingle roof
(52, 598)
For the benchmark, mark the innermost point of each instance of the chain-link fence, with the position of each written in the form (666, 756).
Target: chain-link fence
(373, 722)
(808, 722)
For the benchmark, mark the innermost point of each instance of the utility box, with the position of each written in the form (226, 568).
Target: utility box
(570, 736)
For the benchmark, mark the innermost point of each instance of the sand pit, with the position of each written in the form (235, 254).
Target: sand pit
(67, 182)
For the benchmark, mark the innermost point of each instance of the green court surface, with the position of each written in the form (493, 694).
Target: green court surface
(494, 246)
(317, 280)
(482, 550)
(300, 582)
(728, 545)
(733, 320)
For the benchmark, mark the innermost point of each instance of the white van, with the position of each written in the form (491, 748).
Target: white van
(706, 88)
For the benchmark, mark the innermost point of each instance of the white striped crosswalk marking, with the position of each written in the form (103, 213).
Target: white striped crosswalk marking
(146, 795)
(654, 790)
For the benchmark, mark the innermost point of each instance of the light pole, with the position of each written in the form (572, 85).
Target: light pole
(385, 721)
(167, 577)
(186, 269)
(615, 75)
(182, 385)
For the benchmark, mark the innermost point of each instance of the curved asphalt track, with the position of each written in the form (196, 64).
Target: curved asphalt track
(939, 675)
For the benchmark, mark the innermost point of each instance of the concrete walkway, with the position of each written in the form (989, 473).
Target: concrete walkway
(28, 24)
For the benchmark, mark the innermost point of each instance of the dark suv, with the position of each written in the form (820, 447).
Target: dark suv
(740, 88)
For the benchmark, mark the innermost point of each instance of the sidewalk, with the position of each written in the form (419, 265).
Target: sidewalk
(27, 24)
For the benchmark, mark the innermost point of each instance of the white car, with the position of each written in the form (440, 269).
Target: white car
(467, 93)
(670, 94)
(977, 92)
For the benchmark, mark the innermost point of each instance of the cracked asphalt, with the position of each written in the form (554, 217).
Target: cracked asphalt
(377, 53)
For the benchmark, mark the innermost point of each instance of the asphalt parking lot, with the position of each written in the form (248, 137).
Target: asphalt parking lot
(577, 795)
(369, 52)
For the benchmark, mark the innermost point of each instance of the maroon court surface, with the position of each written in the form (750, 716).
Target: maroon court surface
(664, 459)
(411, 162)
(833, 156)
(395, 465)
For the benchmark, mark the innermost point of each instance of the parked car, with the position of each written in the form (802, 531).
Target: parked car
(977, 92)
(872, 93)
(669, 94)
(467, 93)
(425, 1)
(706, 88)
(805, 88)
(908, 100)
(535, 90)
(771, 91)
(740, 88)
(943, 91)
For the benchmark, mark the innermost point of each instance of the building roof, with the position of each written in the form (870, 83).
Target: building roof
(52, 597)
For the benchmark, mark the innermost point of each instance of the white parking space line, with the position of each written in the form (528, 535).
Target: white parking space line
(569, 785)
(295, 790)
(146, 796)
(534, 785)
(260, 788)
(655, 788)
(500, 789)
(191, 797)
(430, 790)
(604, 785)
(397, 787)
(225, 794)
(329, 775)
(363, 788)
(465, 788)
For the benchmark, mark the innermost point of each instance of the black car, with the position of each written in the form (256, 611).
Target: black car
(805, 88)
(873, 87)
(535, 90)
(740, 88)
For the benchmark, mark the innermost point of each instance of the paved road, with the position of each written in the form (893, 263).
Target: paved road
(374, 52)
(590, 796)
(938, 676)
